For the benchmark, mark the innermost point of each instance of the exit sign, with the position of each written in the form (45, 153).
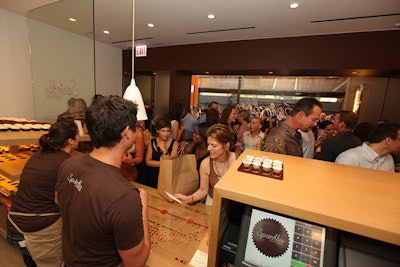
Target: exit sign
(141, 50)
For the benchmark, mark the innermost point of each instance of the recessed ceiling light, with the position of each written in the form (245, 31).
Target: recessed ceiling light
(72, 19)
(354, 72)
(206, 72)
(270, 72)
(211, 16)
(294, 5)
(151, 25)
(106, 32)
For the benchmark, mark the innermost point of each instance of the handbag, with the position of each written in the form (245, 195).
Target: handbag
(177, 175)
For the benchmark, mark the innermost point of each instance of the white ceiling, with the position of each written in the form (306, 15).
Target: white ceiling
(180, 22)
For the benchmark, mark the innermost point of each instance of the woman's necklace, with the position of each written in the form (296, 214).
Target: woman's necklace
(220, 170)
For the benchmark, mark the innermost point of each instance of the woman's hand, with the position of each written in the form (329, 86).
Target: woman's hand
(184, 199)
(127, 158)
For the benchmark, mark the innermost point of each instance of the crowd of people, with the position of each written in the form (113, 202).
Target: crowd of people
(82, 198)
(302, 129)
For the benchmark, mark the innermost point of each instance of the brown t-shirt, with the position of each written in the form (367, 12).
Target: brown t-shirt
(101, 212)
(36, 191)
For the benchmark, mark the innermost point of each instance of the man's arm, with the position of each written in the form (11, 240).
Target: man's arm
(138, 255)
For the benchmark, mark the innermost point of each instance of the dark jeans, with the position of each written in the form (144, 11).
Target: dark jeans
(13, 240)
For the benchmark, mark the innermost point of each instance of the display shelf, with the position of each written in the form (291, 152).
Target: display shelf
(356, 200)
(15, 138)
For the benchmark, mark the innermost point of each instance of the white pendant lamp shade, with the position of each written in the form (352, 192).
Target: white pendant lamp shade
(132, 93)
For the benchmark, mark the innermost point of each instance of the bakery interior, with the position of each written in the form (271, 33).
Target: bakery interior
(345, 53)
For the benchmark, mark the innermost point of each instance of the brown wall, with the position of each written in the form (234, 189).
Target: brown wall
(180, 88)
(372, 54)
(391, 106)
(377, 53)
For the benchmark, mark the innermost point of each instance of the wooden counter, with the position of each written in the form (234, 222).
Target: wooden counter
(362, 201)
(12, 164)
(176, 230)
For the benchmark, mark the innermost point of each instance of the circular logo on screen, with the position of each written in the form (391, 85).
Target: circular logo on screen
(270, 237)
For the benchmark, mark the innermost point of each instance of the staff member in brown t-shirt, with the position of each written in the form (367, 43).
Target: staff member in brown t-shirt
(105, 218)
(34, 216)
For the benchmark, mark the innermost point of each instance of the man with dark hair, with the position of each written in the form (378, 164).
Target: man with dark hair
(284, 138)
(105, 218)
(384, 140)
(214, 105)
(344, 122)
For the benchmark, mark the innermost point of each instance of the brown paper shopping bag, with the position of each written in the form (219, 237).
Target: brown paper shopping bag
(178, 175)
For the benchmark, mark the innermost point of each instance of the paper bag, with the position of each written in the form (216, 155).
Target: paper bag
(178, 175)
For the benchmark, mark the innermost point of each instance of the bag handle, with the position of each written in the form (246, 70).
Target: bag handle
(181, 151)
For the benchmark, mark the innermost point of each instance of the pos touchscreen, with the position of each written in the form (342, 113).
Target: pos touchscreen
(268, 239)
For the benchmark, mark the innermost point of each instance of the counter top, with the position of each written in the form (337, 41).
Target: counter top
(358, 200)
(176, 230)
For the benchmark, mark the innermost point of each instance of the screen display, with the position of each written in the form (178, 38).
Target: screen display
(269, 240)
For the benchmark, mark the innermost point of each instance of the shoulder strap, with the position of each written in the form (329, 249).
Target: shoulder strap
(170, 147)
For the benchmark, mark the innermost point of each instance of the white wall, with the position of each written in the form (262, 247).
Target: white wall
(62, 67)
(16, 91)
(16, 94)
(108, 70)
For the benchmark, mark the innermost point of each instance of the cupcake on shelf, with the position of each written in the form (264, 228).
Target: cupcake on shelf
(4, 127)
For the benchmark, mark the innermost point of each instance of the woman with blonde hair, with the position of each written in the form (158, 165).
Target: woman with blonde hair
(212, 168)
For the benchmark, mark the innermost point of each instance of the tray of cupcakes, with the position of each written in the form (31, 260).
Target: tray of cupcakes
(21, 124)
(262, 166)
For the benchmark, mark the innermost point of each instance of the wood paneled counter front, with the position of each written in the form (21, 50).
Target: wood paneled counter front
(362, 201)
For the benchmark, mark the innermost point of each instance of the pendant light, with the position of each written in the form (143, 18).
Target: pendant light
(132, 92)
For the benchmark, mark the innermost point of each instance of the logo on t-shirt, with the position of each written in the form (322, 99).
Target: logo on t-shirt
(77, 183)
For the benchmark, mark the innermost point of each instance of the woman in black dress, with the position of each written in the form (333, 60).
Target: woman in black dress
(163, 144)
